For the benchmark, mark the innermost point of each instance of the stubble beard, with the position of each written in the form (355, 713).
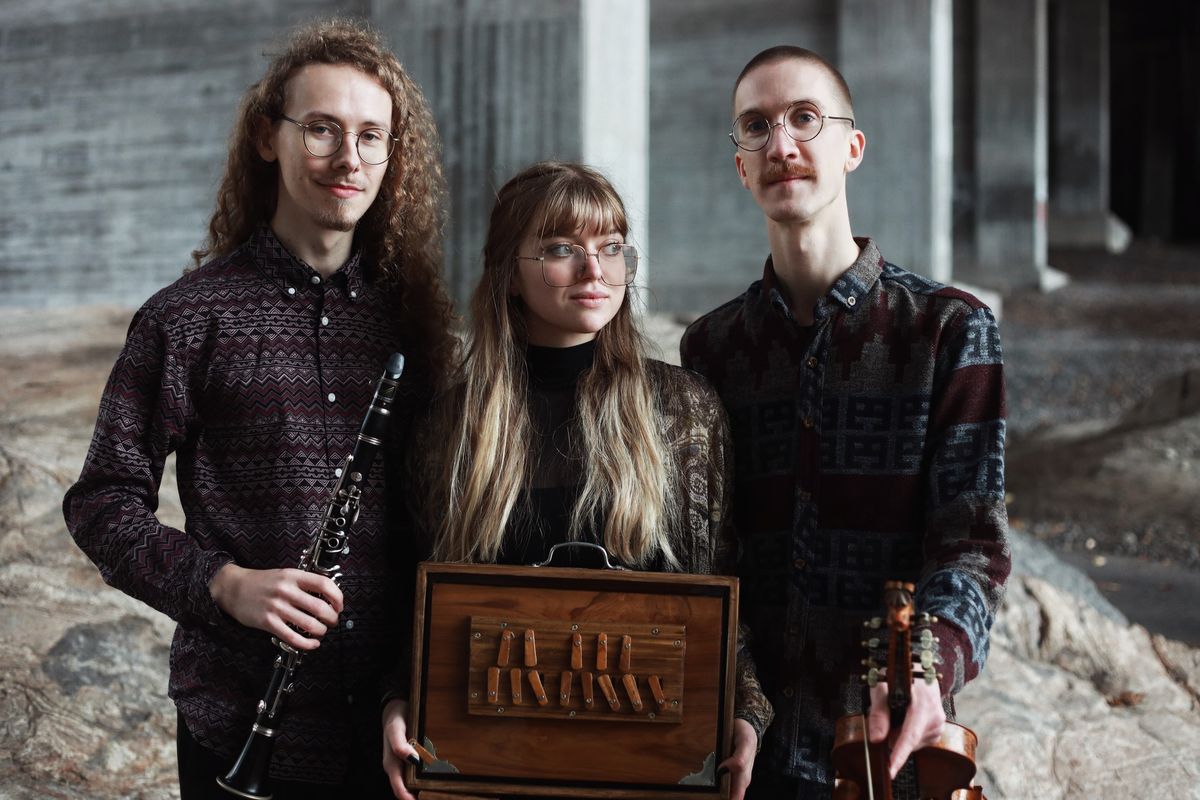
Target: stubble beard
(337, 218)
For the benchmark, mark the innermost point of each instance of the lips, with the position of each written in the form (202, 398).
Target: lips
(590, 299)
(343, 190)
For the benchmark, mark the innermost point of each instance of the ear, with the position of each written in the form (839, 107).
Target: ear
(741, 168)
(858, 144)
(264, 139)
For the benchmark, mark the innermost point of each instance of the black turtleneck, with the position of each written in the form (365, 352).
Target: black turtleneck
(542, 517)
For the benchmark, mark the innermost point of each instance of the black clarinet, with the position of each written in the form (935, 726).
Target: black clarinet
(250, 776)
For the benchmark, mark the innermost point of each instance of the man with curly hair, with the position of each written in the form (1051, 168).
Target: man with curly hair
(255, 368)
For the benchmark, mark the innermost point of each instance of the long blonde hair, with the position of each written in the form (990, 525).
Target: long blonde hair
(485, 425)
(401, 233)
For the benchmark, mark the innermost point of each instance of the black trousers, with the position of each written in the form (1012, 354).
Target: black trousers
(199, 768)
(781, 787)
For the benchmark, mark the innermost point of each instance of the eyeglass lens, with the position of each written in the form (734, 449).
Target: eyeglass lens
(562, 267)
(802, 121)
(324, 138)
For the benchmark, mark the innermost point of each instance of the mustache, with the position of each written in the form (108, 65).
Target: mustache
(782, 170)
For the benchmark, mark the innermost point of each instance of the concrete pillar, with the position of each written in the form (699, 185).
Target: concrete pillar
(1011, 177)
(513, 82)
(1079, 137)
(901, 194)
(616, 107)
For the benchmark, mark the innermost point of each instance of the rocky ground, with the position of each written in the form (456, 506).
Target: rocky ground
(1075, 702)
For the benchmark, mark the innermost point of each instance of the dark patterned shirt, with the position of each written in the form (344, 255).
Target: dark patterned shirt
(870, 448)
(257, 373)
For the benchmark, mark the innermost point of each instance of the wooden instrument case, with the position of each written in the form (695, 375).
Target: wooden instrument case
(562, 682)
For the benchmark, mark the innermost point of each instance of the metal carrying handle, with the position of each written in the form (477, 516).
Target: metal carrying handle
(607, 564)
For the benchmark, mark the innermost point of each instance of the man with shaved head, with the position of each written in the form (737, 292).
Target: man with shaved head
(867, 408)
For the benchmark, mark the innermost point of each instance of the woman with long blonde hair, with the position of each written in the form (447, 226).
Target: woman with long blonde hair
(560, 428)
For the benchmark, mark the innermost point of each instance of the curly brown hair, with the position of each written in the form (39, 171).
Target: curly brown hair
(401, 233)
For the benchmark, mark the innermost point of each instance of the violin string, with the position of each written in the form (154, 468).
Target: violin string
(867, 755)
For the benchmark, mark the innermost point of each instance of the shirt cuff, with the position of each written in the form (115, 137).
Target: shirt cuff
(203, 607)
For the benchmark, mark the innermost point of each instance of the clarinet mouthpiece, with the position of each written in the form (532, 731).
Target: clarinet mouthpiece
(395, 365)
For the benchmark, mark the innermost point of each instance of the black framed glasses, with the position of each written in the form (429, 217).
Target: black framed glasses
(563, 264)
(323, 138)
(802, 121)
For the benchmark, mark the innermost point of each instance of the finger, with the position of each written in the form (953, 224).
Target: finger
(313, 606)
(308, 625)
(906, 740)
(739, 782)
(396, 780)
(313, 583)
(278, 627)
(879, 717)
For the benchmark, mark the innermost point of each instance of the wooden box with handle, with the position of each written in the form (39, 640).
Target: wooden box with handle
(565, 682)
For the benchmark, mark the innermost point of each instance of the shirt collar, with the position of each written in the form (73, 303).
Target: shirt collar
(292, 274)
(848, 291)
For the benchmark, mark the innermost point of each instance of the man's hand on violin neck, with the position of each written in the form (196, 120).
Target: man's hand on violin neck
(922, 722)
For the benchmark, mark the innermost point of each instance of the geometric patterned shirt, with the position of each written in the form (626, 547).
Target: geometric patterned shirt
(870, 448)
(256, 372)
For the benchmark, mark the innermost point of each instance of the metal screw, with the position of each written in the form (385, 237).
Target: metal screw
(571, 714)
(674, 702)
(678, 643)
(478, 635)
(651, 715)
(474, 694)
(503, 624)
(500, 710)
(654, 631)
(574, 627)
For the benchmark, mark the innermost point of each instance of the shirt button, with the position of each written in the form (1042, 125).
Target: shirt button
(808, 422)
(315, 279)
(349, 699)
(324, 320)
(788, 692)
(331, 397)
(291, 290)
(799, 563)
(353, 294)
(349, 624)
(851, 300)
(812, 362)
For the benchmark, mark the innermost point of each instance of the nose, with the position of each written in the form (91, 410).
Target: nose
(781, 146)
(590, 269)
(347, 155)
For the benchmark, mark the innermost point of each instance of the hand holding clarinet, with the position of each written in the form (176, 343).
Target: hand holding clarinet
(298, 606)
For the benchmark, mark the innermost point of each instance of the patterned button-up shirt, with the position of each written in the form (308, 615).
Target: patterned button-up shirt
(257, 373)
(868, 448)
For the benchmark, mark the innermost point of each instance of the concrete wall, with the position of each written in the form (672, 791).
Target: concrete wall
(503, 78)
(708, 237)
(115, 119)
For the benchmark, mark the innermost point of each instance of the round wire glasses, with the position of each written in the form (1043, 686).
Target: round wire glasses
(323, 138)
(802, 121)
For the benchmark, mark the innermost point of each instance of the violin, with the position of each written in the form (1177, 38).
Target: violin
(945, 769)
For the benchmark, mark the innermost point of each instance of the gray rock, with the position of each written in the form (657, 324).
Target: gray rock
(1074, 701)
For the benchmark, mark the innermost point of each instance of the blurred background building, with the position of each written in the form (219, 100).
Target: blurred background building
(995, 128)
